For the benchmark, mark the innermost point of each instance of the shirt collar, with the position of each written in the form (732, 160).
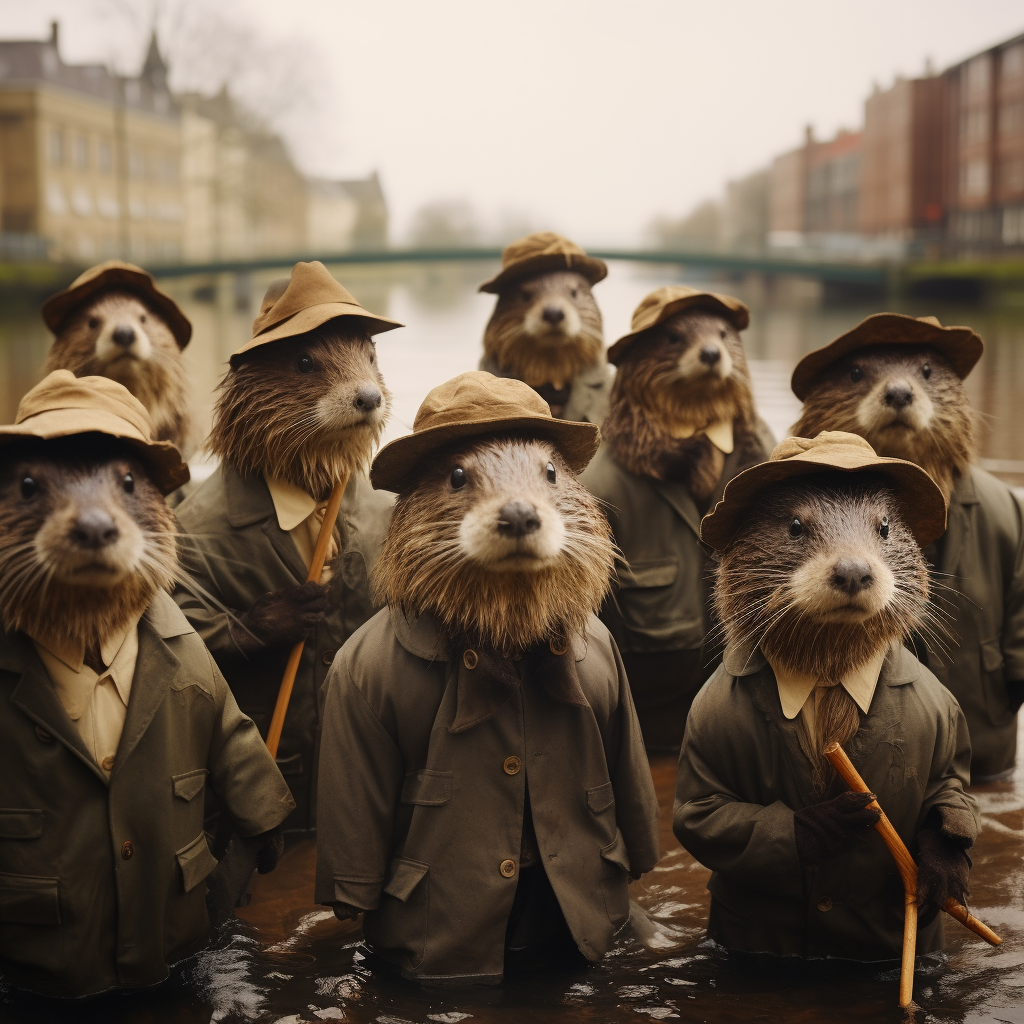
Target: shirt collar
(859, 683)
(718, 433)
(292, 504)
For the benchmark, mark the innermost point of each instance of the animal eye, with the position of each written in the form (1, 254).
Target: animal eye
(674, 338)
(721, 332)
(305, 364)
(883, 529)
(458, 477)
(856, 374)
(93, 322)
(796, 528)
(142, 318)
(572, 292)
(551, 472)
(128, 483)
(28, 487)
(926, 370)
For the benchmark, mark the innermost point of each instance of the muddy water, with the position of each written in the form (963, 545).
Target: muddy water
(286, 960)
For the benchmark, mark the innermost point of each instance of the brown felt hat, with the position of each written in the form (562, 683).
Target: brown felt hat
(665, 302)
(921, 502)
(475, 404)
(960, 346)
(542, 253)
(62, 405)
(116, 275)
(310, 298)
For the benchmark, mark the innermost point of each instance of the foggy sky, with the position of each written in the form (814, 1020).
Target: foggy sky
(590, 117)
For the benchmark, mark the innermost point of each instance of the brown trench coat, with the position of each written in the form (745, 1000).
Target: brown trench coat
(588, 393)
(742, 774)
(421, 827)
(102, 883)
(237, 553)
(981, 560)
(660, 611)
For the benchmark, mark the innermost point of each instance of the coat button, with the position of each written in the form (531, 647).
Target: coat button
(107, 764)
(507, 868)
(512, 765)
(558, 645)
(43, 735)
(327, 657)
(824, 904)
(470, 659)
(127, 850)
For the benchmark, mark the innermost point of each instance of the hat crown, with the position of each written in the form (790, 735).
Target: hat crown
(826, 441)
(107, 265)
(62, 390)
(477, 394)
(311, 284)
(541, 243)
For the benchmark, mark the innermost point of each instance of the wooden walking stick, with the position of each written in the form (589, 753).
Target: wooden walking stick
(908, 873)
(316, 568)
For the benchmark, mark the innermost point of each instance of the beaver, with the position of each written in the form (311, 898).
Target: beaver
(300, 408)
(485, 709)
(820, 581)
(501, 543)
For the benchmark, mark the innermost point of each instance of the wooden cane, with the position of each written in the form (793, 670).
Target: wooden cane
(908, 873)
(316, 568)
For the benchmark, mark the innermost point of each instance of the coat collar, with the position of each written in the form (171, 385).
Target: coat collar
(899, 668)
(246, 498)
(959, 519)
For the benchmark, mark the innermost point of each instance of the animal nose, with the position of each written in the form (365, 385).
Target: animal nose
(94, 528)
(553, 315)
(899, 396)
(124, 335)
(851, 575)
(517, 519)
(710, 354)
(368, 398)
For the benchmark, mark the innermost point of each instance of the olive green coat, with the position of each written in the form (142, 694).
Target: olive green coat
(981, 560)
(236, 553)
(588, 395)
(742, 774)
(102, 883)
(415, 821)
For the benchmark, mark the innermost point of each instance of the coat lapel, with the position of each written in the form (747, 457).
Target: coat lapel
(959, 525)
(678, 496)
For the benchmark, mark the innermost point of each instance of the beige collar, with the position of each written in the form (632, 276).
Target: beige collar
(860, 683)
(292, 504)
(718, 433)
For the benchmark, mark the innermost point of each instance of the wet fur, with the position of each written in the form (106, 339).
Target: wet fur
(661, 384)
(301, 427)
(152, 369)
(524, 345)
(773, 591)
(49, 583)
(444, 554)
(936, 430)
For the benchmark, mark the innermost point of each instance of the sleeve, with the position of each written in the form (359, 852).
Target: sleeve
(358, 792)
(1013, 602)
(948, 778)
(242, 772)
(636, 802)
(714, 817)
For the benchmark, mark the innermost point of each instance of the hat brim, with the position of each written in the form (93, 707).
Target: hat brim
(167, 469)
(310, 318)
(396, 462)
(738, 316)
(57, 308)
(959, 346)
(922, 505)
(590, 267)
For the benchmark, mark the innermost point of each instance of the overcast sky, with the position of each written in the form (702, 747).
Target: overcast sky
(590, 117)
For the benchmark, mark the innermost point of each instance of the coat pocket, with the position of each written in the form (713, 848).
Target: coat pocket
(399, 924)
(427, 788)
(28, 899)
(615, 881)
(993, 685)
(600, 798)
(190, 784)
(18, 823)
(195, 861)
(656, 616)
(406, 874)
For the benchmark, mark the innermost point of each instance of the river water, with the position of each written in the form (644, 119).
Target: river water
(286, 960)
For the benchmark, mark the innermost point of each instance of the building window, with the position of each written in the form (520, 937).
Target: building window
(169, 170)
(974, 179)
(55, 201)
(1013, 174)
(1013, 63)
(56, 147)
(80, 152)
(1011, 119)
(974, 126)
(136, 165)
(104, 157)
(979, 75)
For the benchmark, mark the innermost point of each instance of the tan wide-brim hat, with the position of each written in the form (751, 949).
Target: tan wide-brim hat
(959, 346)
(922, 505)
(665, 302)
(542, 253)
(116, 275)
(62, 405)
(477, 404)
(311, 298)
